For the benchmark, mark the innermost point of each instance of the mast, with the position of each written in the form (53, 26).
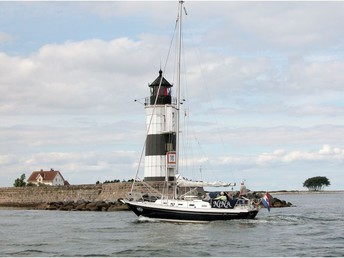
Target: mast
(180, 15)
(163, 123)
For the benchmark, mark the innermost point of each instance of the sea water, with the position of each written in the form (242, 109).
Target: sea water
(314, 226)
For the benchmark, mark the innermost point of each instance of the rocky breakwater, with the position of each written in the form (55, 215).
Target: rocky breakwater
(86, 206)
(76, 197)
(99, 197)
(275, 202)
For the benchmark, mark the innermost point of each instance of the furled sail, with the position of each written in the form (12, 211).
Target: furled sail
(183, 182)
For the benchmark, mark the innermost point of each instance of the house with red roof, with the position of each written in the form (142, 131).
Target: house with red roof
(51, 177)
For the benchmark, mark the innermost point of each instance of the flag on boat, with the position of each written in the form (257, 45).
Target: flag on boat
(266, 201)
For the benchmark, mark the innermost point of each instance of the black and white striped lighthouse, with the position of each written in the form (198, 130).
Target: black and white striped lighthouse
(161, 111)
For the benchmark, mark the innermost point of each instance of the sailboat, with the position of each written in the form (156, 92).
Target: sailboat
(164, 194)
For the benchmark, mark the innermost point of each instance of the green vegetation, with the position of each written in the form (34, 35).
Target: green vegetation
(30, 184)
(316, 183)
(20, 182)
(114, 181)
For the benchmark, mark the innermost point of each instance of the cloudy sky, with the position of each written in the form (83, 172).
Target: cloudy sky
(264, 88)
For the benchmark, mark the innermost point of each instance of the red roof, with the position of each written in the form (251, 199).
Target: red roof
(46, 175)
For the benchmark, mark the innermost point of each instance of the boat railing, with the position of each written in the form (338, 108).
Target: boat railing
(244, 202)
(134, 196)
(144, 192)
(192, 193)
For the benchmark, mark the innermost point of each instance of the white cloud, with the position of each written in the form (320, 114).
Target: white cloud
(270, 157)
(325, 154)
(90, 75)
(283, 25)
(316, 76)
(242, 138)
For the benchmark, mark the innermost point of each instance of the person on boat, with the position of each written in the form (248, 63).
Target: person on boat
(243, 189)
(221, 197)
(228, 196)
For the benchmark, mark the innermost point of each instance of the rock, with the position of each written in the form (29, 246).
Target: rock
(80, 207)
(102, 205)
(86, 206)
(91, 205)
(50, 207)
(277, 203)
(95, 208)
(53, 206)
(80, 202)
(67, 207)
(112, 208)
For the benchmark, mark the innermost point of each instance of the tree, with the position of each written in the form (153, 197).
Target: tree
(20, 182)
(316, 183)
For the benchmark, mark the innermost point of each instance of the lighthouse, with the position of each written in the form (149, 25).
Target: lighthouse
(160, 149)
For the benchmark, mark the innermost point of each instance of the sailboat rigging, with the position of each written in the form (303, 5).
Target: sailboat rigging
(176, 201)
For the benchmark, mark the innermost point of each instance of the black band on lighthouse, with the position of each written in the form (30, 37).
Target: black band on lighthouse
(159, 144)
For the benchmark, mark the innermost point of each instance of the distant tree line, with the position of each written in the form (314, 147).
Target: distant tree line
(114, 181)
(316, 183)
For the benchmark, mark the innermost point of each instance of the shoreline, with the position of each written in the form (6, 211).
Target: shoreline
(97, 197)
(305, 192)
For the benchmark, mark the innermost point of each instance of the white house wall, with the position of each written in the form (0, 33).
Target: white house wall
(58, 180)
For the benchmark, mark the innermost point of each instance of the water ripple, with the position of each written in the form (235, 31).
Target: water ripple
(304, 230)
